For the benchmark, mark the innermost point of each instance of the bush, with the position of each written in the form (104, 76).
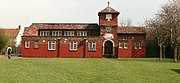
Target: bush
(3, 40)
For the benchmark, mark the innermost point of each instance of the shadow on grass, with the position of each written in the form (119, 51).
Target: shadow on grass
(176, 70)
(167, 60)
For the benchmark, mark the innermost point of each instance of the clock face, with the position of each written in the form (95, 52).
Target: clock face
(108, 29)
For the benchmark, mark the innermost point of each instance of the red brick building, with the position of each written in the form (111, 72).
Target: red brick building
(77, 40)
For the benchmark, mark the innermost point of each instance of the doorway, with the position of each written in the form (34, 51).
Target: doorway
(108, 49)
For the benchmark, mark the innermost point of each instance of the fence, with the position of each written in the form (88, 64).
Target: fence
(18, 51)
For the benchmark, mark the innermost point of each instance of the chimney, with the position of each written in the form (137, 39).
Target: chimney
(19, 27)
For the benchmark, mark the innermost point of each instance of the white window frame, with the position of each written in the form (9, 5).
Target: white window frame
(92, 46)
(108, 17)
(69, 33)
(27, 44)
(73, 45)
(82, 33)
(44, 33)
(56, 33)
(36, 44)
(126, 45)
(51, 45)
(121, 45)
(135, 45)
(140, 45)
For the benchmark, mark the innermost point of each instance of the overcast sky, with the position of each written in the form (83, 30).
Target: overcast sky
(26, 12)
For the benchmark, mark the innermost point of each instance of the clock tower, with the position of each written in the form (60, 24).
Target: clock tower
(108, 22)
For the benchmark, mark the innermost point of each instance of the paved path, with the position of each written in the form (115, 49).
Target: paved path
(5, 56)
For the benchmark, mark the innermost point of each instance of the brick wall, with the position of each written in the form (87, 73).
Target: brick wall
(139, 53)
(104, 22)
(125, 52)
(64, 51)
(41, 51)
(131, 52)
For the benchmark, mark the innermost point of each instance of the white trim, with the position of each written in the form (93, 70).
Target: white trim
(69, 33)
(91, 44)
(52, 43)
(140, 45)
(81, 33)
(126, 43)
(135, 45)
(121, 44)
(44, 33)
(73, 48)
(36, 44)
(108, 17)
(27, 44)
(56, 33)
(104, 45)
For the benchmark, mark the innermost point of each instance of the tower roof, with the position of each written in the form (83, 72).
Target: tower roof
(108, 10)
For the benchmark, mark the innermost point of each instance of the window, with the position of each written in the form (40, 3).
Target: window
(36, 44)
(73, 45)
(27, 44)
(120, 45)
(51, 45)
(92, 46)
(44, 33)
(56, 33)
(140, 45)
(135, 45)
(108, 17)
(125, 45)
(69, 33)
(82, 33)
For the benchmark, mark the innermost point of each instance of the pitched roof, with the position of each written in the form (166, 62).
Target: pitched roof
(33, 29)
(108, 10)
(66, 25)
(11, 32)
(131, 30)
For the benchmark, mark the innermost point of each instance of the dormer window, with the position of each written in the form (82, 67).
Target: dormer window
(81, 33)
(69, 33)
(44, 33)
(108, 17)
(56, 33)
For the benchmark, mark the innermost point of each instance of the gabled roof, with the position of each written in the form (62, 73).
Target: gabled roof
(66, 25)
(11, 32)
(131, 30)
(33, 29)
(108, 10)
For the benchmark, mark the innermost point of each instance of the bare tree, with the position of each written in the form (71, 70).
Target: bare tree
(124, 23)
(170, 14)
(159, 33)
(167, 26)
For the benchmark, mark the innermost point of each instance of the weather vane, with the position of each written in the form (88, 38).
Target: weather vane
(108, 3)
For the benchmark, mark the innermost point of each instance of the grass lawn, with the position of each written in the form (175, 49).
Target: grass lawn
(88, 70)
